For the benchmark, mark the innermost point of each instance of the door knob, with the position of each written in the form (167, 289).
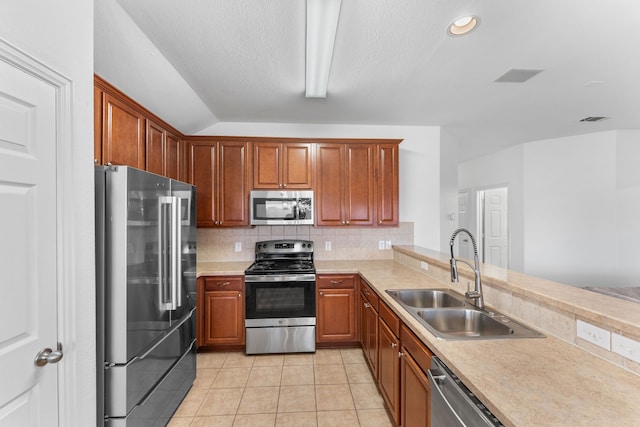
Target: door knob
(46, 355)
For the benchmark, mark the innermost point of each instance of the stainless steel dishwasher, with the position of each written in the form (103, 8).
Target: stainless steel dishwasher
(452, 403)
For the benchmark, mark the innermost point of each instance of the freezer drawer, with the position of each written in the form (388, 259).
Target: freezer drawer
(128, 385)
(161, 403)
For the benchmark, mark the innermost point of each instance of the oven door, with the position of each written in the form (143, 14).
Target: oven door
(280, 300)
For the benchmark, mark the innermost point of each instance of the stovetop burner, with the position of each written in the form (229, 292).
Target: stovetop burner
(283, 257)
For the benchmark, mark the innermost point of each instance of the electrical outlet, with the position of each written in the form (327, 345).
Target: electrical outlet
(626, 347)
(424, 265)
(327, 245)
(238, 246)
(593, 334)
(381, 245)
(387, 244)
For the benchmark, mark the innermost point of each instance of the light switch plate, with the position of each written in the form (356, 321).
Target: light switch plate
(594, 334)
(424, 265)
(327, 245)
(238, 246)
(626, 347)
(387, 244)
(381, 245)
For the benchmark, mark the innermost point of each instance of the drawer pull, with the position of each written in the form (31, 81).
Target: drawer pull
(224, 283)
(336, 282)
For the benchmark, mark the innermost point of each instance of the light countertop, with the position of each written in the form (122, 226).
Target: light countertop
(524, 382)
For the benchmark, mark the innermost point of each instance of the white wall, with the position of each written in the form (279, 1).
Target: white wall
(501, 169)
(574, 205)
(419, 164)
(570, 208)
(59, 33)
(448, 188)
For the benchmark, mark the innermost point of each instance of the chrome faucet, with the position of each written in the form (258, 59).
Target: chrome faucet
(476, 294)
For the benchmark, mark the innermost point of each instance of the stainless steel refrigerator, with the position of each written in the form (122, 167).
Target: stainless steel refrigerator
(145, 286)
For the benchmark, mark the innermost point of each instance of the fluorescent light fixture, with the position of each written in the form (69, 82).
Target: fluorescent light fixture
(322, 22)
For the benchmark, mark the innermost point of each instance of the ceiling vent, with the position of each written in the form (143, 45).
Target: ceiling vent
(515, 75)
(593, 119)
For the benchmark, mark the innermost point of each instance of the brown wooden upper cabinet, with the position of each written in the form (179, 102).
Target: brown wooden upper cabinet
(163, 152)
(282, 165)
(344, 184)
(220, 172)
(388, 187)
(123, 138)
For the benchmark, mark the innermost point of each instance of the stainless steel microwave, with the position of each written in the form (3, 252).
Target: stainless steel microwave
(281, 207)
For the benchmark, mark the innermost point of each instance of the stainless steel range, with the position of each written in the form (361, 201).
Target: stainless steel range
(280, 291)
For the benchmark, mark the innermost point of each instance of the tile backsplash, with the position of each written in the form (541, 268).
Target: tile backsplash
(356, 243)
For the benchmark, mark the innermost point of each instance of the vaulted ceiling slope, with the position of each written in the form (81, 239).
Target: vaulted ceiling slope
(199, 62)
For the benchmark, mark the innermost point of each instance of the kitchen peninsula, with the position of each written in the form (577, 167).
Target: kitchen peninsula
(525, 382)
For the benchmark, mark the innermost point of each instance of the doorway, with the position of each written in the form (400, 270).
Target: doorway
(493, 226)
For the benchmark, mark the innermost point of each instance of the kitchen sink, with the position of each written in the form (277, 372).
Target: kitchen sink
(448, 316)
(427, 298)
(465, 323)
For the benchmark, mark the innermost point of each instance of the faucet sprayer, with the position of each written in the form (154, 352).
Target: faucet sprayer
(476, 294)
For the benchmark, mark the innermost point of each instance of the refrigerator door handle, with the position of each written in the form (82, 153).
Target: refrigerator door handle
(176, 252)
(167, 235)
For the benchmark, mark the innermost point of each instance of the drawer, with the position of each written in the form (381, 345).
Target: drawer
(371, 296)
(389, 317)
(224, 283)
(334, 281)
(420, 353)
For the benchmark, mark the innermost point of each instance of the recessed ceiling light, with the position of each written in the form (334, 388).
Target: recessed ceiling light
(463, 25)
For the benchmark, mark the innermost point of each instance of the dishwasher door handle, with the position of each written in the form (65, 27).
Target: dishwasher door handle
(442, 413)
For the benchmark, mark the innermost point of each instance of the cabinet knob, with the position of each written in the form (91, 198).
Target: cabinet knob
(367, 305)
(393, 345)
(239, 295)
(400, 354)
(284, 185)
(347, 222)
(380, 222)
(321, 293)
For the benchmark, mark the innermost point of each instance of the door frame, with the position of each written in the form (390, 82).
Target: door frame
(70, 386)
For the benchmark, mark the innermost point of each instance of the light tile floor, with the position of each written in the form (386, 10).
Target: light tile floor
(329, 388)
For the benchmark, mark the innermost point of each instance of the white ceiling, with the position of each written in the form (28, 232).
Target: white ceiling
(198, 62)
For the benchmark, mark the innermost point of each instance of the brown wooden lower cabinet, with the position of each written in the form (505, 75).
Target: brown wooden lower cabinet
(389, 369)
(336, 305)
(415, 393)
(368, 308)
(221, 311)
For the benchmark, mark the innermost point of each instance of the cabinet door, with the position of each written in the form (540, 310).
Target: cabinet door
(329, 193)
(296, 166)
(155, 148)
(97, 126)
(387, 187)
(336, 315)
(389, 369)
(171, 156)
(233, 184)
(414, 395)
(359, 202)
(203, 176)
(369, 325)
(123, 141)
(266, 165)
(223, 323)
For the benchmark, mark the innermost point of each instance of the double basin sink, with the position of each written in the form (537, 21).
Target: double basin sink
(448, 316)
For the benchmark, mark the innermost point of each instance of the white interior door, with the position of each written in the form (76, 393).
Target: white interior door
(28, 262)
(496, 227)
